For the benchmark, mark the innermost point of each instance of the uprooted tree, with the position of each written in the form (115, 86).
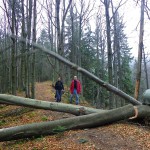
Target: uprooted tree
(84, 114)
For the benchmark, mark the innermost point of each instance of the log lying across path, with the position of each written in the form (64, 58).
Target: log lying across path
(54, 106)
(91, 118)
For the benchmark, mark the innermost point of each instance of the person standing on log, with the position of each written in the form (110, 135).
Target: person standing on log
(75, 89)
(59, 87)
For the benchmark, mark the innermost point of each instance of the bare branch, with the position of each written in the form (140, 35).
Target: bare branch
(119, 5)
(147, 10)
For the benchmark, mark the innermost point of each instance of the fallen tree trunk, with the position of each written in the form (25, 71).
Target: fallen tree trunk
(143, 111)
(90, 75)
(85, 72)
(146, 97)
(80, 122)
(54, 106)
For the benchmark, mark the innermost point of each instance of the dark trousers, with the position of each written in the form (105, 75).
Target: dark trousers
(58, 95)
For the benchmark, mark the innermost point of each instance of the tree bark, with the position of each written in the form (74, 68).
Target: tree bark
(145, 69)
(23, 49)
(13, 67)
(109, 51)
(138, 74)
(80, 122)
(33, 103)
(33, 58)
(146, 97)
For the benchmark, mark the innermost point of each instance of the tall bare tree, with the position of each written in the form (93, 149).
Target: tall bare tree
(11, 16)
(100, 52)
(60, 26)
(109, 49)
(23, 49)
(140, 49)
(33, 58)
(145, 68)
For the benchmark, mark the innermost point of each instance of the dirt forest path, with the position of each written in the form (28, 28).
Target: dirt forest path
(118, 136)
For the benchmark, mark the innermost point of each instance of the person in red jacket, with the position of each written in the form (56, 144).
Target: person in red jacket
(75, 89)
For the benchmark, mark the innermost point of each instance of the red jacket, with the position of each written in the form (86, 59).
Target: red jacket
(78, 87)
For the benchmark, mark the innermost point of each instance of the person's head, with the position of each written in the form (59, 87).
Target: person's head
(59, 78)
(75, 77)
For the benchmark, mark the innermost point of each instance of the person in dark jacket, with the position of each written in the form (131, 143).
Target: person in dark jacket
(59, 87)
(75, 89)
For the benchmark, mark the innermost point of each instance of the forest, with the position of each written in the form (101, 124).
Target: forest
(41, 40)
(64, 27)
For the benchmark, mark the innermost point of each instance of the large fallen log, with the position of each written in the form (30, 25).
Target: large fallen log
(54, 106)
(80, 122)
(146, 97)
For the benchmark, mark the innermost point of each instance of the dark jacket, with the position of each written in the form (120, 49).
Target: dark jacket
(59, 85)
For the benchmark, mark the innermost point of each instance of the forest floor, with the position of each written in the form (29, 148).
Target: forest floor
(118, 136)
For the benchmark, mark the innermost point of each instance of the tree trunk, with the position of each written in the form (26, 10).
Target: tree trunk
(13, 66)
(60, 32)
(33, 103)
(110, 78)
(73, 53)
(58, 23)
(99, 69)
(145, 69)
(29, 31)
(138, 74)
(80, 122)
(33, 58)
(146, 97)
(23, 57)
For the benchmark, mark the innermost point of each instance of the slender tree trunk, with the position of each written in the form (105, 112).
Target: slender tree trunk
(73, 55)
(98, 98)
(117, 57)
(23, 58)
(13, 68)
(6, 74)
(79, 53)
(58, 39)
(58, 24)
(33, 58)
(140, 47)
(145, 68)
(29, 31)
(106, 3)
(60, 32)
(100, 62)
